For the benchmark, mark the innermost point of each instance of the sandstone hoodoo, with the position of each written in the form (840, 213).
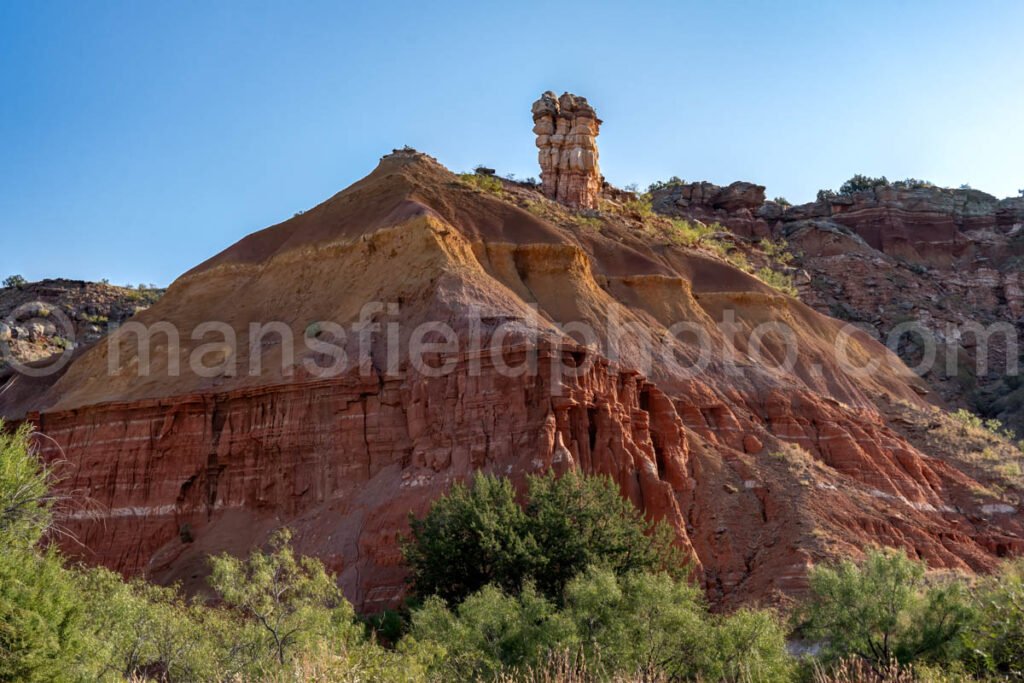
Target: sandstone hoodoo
(761, 469)
(567, 129)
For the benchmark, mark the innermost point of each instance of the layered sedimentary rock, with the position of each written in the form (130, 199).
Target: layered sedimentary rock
(929, 225)
(941, 261)
(567, 129)
(735, 206)
(761, 471)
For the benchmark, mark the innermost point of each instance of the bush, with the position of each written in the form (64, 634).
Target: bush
(691, 234)
(993, 426)
(485, 183)
(912, 183)
(472, 536)
(639, 626)
(883, 610)
(860, 183)
(778, 281)
(826, 195)
(25, 498)
(478, 535)
(42, 630)
(662, 184)
(141, 629)
(581, 522)
(998, 639)
(641, 206)
(15, 281)
(649, 625)
(488, 633)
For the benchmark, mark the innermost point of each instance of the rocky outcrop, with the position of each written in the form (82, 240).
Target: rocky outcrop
(43, 320)
(567, 129)
(903, 255)
(735, 206)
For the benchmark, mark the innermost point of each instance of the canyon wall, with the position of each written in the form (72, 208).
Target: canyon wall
(921, 267)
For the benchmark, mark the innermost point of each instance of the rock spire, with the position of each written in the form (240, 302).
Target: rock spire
(567, 129)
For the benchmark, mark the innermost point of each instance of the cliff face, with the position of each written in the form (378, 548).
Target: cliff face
(919, 267)
(762, 471)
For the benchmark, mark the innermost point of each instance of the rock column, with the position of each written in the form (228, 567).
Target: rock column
(567, 129)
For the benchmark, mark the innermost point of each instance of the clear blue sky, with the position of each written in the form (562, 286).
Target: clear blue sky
(140, 138)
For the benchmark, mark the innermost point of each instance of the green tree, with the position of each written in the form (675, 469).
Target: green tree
(15, 281)
(472, 536)
(477, 535)
(40, 616)
(750, 645)
(580, 522)
(292, 601)
(884, 609)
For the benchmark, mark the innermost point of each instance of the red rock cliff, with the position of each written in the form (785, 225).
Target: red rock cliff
(761, 472)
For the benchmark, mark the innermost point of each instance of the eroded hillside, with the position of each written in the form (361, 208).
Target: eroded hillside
(600, 340)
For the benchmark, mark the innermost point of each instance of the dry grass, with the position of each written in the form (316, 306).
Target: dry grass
(980, 448)
(856, 670)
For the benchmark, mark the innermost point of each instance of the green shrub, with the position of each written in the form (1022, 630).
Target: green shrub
(994, 427)
(25, 497)
(997, 641)
(777, 251)
(473, 536)
(642, 624)
(488, 633)
(860, 183)
(639, 626)
(139, 627)
(580, 522)
(689, 233)
(883, 610)
(779, 281)
(41, 636)
(588, 222)
(486, 183)
(641, 206)
(661, 184)
(651, 625)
